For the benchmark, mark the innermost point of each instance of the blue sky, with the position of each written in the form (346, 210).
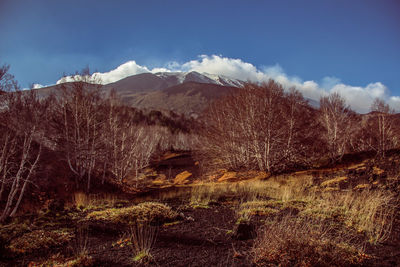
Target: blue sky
(354, 43)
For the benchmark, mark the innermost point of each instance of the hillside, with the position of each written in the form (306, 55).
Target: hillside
(188, 98)
(185, 93)
(144, 82)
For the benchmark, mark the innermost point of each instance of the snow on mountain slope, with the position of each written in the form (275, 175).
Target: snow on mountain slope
(193, 76)
(179, 77)
(224, 80)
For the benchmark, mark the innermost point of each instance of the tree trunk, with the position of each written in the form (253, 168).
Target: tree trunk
(27, 179)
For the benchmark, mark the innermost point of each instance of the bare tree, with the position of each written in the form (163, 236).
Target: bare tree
(224, 133)
(381, 125)
(7, 80)
(8, 150)
(257, 127)
(78, 123)
(300, 130)
(147, 140)
(8, 142)
(128, 145)
(335, 117)
(22, 116)
(267, 127)
(121, 138)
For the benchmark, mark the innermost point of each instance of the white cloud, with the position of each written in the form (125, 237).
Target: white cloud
(329, 82)
(359, 98)
(37, 86)
(34, 86)
(234, 68)
(127, 69)
(394, 102)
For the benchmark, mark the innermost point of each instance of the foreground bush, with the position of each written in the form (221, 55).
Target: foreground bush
(151, 212)
(39, 240)
(369, 212)
(303, 242)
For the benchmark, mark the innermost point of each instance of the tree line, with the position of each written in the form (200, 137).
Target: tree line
(264, 127)
(99, 139)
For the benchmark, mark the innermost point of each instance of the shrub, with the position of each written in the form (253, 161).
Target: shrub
(259, 207)
(368, 212)
(152, 212)
(303, 242)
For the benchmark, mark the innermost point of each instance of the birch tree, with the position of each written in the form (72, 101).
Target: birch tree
(245, 129)
(382, 127)
(300, 130)
(128, 144)
(21, 134)
(336, 121)
(79, 123)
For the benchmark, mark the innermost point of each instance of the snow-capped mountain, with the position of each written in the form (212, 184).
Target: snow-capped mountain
(182, 92)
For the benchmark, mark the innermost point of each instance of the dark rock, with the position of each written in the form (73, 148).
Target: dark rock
(3, 251)
(244, 231)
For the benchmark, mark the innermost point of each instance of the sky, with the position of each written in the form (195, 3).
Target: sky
(319, 46)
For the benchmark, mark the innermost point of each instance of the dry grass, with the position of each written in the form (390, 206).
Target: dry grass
(81, 242)
(80, 199)
(270, 207)
(259, 207)
(85, 201)
(369, 212)
(202, 194)
(291, 241)
(142, 237)
(333, 182)
(59, 260)
(284, 188)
